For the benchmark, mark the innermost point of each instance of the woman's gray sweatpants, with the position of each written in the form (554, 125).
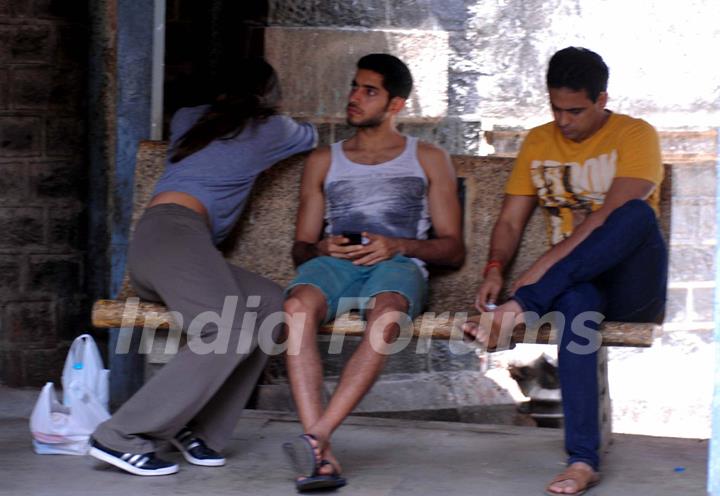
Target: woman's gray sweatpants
(207, 384)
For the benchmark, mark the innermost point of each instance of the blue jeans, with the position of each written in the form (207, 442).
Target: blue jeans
(620, 271)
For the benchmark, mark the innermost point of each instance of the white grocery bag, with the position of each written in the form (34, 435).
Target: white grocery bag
(60, 430)
(65, 428)
(84, 371)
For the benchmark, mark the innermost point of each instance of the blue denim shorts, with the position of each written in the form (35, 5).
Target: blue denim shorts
(347, 286)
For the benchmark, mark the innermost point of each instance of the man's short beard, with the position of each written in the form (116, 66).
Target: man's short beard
(370, 123)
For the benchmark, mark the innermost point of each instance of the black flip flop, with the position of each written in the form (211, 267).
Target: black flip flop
(320, 482)
(302, 455)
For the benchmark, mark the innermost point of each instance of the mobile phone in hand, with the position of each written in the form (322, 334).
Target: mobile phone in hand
(355, 238)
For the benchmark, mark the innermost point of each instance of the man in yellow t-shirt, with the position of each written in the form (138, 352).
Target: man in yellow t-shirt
(596, 174)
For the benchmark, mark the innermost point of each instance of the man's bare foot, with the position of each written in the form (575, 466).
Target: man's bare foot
(334, 466)
(575, 480)
(493, 330)
(315, 466)
(324, 451)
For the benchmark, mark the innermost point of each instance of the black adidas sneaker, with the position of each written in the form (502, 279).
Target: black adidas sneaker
(195, 450)
(134, 463)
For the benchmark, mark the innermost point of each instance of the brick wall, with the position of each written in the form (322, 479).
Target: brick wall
(43, 52)
(692, 238)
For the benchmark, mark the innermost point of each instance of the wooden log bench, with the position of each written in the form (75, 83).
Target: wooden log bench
(262, 240)
(154, 316)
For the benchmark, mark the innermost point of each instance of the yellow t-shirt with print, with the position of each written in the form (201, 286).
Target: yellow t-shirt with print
(571, 179)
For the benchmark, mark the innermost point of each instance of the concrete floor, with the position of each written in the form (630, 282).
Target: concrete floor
(380, 457)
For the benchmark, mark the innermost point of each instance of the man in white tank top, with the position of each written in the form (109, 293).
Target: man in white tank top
(361, 242)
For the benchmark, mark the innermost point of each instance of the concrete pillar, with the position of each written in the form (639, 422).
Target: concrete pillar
(134, 104)
(121, 85)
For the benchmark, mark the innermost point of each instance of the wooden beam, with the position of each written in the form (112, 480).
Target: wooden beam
(134, 313)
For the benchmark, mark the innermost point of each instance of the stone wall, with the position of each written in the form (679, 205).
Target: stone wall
(43, 53)
(496, 52)
(422, 33)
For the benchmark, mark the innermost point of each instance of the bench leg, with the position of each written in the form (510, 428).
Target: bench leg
(126, 365)
(605, 408)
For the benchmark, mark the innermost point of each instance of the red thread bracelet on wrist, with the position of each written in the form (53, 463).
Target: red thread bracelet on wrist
(490, 265)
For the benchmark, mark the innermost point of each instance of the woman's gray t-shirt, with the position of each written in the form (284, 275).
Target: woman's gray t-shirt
(222, 174)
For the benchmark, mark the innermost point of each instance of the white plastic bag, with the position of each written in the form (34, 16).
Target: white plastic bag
(84, 371)
(65, 428)
(59, 429)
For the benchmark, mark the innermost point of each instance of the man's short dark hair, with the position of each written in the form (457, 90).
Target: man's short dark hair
(397, 79)
(578, 69)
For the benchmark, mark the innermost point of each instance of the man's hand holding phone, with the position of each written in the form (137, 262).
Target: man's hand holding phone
(376, 248)
(362, 248)
(340, 246)
(353, 237)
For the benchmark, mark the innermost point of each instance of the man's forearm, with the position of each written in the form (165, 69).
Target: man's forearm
(302, 251)
(440, 251)
(504, 242)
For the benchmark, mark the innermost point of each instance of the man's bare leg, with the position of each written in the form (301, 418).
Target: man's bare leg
(306, 307)
(362, 369)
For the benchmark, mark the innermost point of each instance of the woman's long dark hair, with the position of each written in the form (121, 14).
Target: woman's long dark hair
(251, 93)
